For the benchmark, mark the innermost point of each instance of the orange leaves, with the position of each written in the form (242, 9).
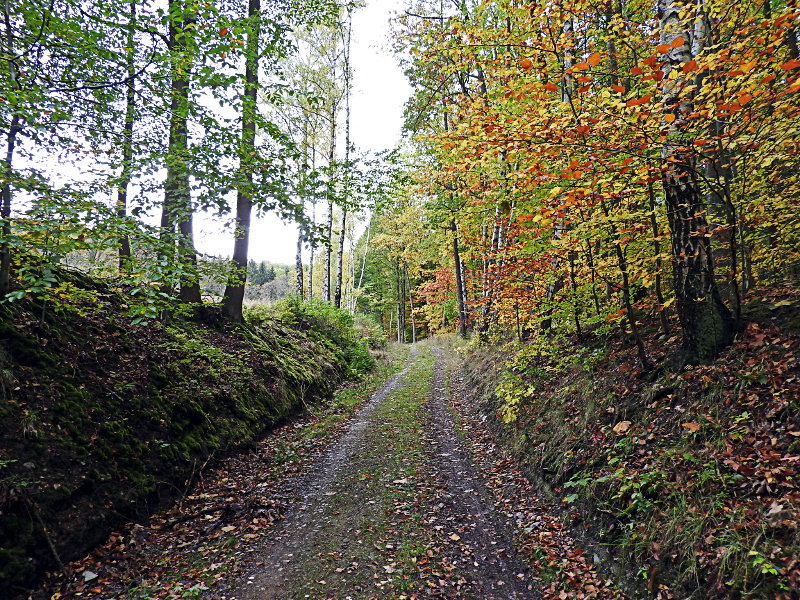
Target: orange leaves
(790, 64)
(689, 66)
(618, 88)
(594, 59)
(639, 101)
(551, 87)
(223, 32)
(651, 61)
(669, 117)
(526, 64)
(675, 44)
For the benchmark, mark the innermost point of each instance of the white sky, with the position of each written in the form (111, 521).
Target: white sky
(379, 91)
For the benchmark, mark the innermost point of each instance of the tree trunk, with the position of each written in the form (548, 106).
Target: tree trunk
(706, 322)
(662, 310)
(234, 291)
(411, 306)
(462, 310)
(5, 211)
(337, 298)
(177, 207)
(127, 141)
(337, 295)
(298, 265)
(311, 254)
(326, 271)
(364, 258)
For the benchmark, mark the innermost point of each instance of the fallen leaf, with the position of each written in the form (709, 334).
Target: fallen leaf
(622, 427)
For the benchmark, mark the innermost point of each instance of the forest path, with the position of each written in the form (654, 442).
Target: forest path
(393, 509)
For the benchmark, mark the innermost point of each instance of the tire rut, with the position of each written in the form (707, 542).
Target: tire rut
(486, 556)
(274, 579)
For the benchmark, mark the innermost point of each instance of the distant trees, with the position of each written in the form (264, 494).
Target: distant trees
(602, 167)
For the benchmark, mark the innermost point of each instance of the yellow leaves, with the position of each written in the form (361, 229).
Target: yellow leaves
(748, 66)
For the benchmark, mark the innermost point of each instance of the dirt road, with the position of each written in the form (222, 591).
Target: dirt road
(393, 509)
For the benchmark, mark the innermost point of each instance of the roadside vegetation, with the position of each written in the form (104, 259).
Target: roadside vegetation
(103, 420)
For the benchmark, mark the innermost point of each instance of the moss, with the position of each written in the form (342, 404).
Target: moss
(122, 428)
(25, 349)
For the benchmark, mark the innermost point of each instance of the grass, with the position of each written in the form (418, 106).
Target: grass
(373, 538)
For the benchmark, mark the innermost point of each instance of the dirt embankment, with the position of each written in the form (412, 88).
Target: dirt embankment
(685, 480)
(102, 421)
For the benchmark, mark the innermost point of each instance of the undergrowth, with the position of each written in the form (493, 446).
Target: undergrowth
(690, 476)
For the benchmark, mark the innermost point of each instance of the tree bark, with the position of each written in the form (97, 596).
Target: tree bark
(127, 140)
(311, 254)
(5, 211)
(462, 310)
(298, 265)
(337, 297)
(177, 207)
(410, 305)
(662, 310)
(326, 271)
(706, 322)
(234, 291)
(14, 128)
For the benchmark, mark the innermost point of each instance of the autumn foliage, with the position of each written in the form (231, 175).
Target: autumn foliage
(610, 163)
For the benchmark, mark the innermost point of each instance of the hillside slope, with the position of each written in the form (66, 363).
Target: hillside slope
(101, 420)
(686, 480)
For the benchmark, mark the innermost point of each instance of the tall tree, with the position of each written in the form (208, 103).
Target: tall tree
(127, 135)
(707, 323)
(347, 74)
(234, 292)
(177, 209)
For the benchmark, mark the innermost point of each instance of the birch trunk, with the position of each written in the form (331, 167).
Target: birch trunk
(337, 297)
(706, 322)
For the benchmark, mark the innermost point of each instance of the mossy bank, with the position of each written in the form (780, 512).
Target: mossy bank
(102, 421)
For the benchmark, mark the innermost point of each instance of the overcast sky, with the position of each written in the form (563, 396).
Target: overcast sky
(379, 92)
